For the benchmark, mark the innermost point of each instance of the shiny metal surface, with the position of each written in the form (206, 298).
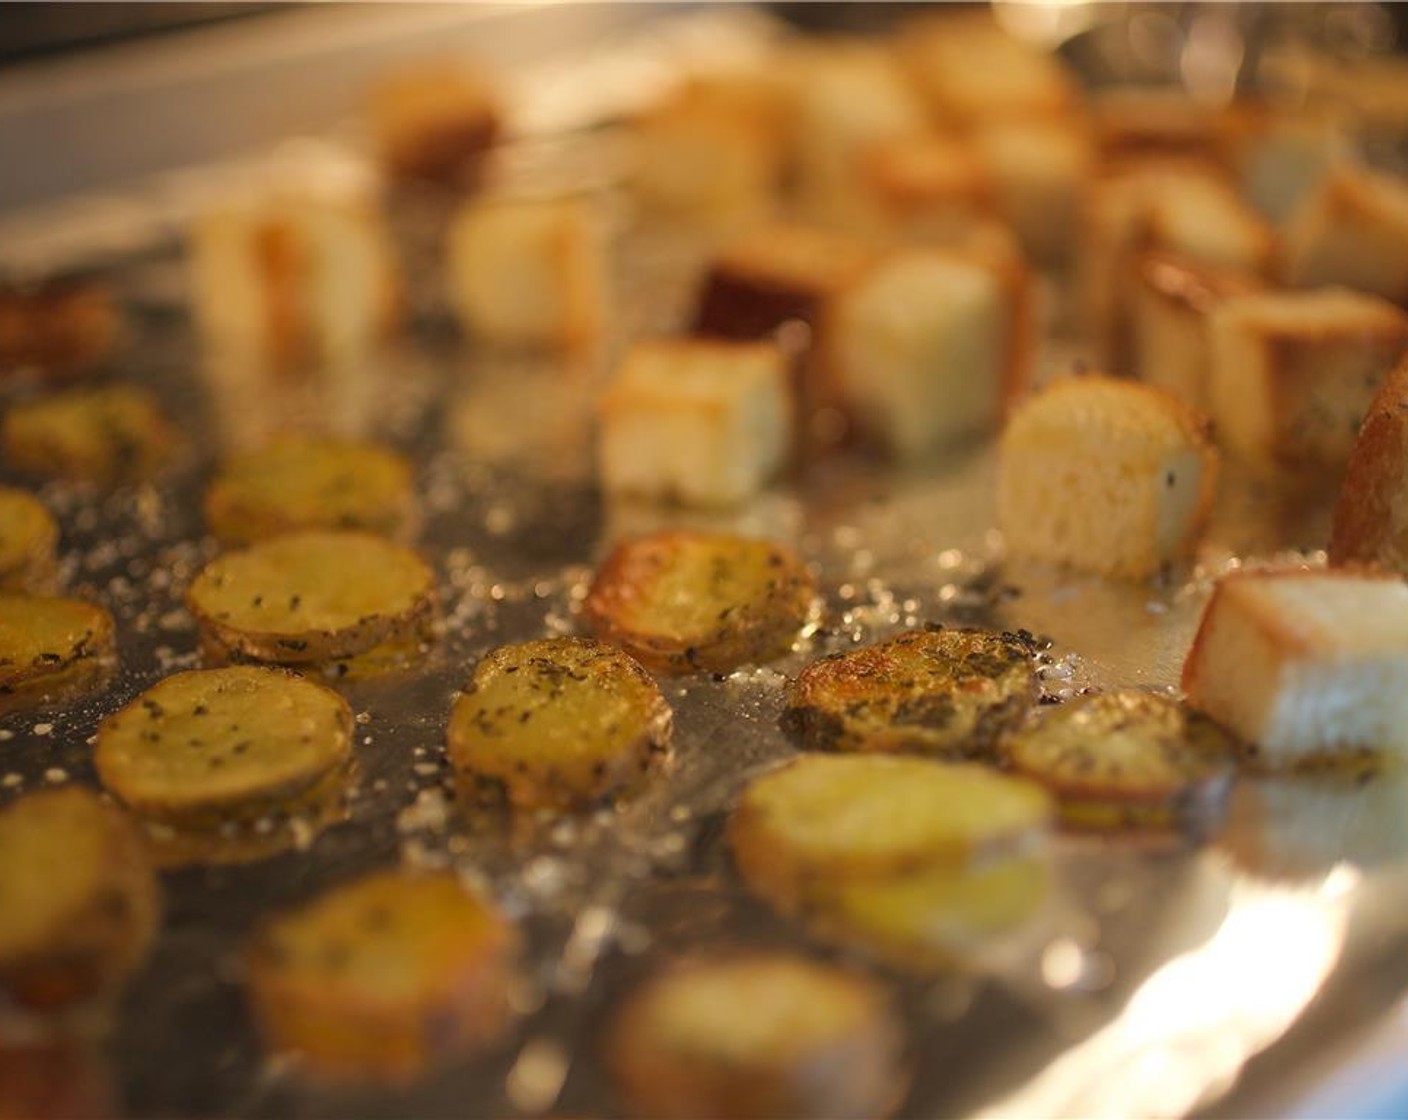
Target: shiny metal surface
(1143, 990)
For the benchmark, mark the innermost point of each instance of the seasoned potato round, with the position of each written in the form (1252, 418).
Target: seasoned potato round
(940, 692)
(681, 601)
(758, 1035)
(51, 649)
(380, 977)
(28, 537)
(934, 919)
(1125, 758)
(557, 722)
(78, 897)
(311, 482)
(826, 819)
(312, 596)
(222, 742)
(106, 435)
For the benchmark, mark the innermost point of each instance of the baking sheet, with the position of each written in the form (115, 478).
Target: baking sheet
(1142, 991)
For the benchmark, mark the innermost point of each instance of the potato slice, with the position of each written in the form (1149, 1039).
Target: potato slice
(309, 597)
(680, 602)
(824, 820)
(758, 1035)
(107, 435)
(51, 650)
(212, 744)
(253, 834)
(941, 692)
(382, 976)
(557, 723)
(936, 919)
(311, 482)
(29, 536)
(1126, 758)
(78, 897)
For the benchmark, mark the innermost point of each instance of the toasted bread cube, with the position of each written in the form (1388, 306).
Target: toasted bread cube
(708, 423)
(1305, 664)
(1039, 168)
(1371, 516)
(1186, 207)
(294, 279)
(59, 328)
(923, 187)
(1293, 373)
(1107, 476)
(530, 272)
(842, 98)
(1173, 298)
(929, 346)
(1352, 231)
(971, 72)
(434, 123)
(711, 153)
(774, 274)
(1138, 122)
(1279, 156)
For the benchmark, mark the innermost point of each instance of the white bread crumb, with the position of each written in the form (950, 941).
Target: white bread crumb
(705, 423)
(529, 272)
(1293, 373)
(1304, 664)
(1105, 475)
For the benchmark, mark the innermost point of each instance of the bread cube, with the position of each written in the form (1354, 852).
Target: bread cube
(923, 187)
(1105, 475)
(1353, 231)
(1371, 515)
(774, 274)
(1140, 122)
(842, 97)
(971, 72)
(294, 279)
(1305, 664)
(435, 123)
(1187, 207)
(929, 346)
(705, 423)
(1279, 156)
(1293, 373)
(711, 153)
(1039, 169)
(1172, 300)
(529, 272)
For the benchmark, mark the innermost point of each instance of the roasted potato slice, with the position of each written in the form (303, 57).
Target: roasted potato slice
(383, 975)
(824, 820)
(1126, 758)
(209, 745)
(78, 897)
(51, 650)
(933, 920)
(557, 723)
(680, 602)
(311, 482)
(107, 435)
(314, 596)
(942, 692)
(757, 1035)
(29, 536)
